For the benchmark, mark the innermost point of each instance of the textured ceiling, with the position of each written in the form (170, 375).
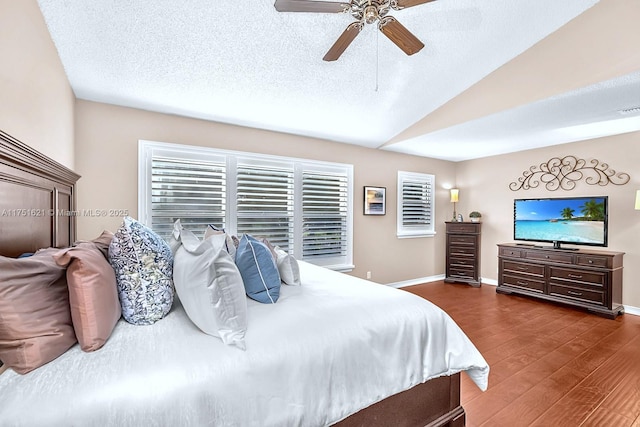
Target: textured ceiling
(244, 63)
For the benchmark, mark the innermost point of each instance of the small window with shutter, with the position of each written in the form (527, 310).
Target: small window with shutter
(415, 204)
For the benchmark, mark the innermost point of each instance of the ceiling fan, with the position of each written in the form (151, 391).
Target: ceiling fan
(366, 12)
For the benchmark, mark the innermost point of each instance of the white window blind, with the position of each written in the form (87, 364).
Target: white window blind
(265, 203)
(415, 204)
(325, 202)
(193, 191)
(303, 206)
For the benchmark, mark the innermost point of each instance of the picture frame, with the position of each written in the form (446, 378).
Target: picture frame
(375, 200)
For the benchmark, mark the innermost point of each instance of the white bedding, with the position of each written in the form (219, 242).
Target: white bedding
(325, 350)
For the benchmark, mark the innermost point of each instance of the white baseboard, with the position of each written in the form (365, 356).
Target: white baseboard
(416, 281)
(628, 309)
(430, 279)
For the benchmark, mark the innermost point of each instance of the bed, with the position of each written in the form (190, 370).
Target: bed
(337, 350)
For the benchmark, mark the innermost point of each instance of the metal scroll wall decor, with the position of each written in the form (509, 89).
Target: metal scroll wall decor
(563, 173)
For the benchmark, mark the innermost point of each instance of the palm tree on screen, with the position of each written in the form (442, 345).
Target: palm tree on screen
(593, 210)
(567, 213)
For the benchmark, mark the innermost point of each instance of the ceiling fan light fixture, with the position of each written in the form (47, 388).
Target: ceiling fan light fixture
(364, 12)
(371, 14)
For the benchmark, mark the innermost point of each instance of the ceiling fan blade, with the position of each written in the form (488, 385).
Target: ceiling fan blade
(311, 6)
(403, 4)
(343, 41)
(397, 33)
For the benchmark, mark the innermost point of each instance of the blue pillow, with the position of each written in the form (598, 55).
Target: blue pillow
(143, 264)
(258, 270)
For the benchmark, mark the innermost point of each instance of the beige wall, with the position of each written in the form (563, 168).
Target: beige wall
(37, 101)
(107, 158)
(484, 186)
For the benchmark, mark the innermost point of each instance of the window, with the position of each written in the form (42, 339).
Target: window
(415, 204)
(303, 206)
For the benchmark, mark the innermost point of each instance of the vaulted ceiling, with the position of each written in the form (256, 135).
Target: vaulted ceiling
(495, 76)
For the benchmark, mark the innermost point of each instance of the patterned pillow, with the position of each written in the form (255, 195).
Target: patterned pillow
(258, 270)
(143, 264)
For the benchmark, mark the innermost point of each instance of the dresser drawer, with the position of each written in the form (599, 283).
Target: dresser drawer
(530, 284)
(517, 268)
(462, 262)
(510, 252)
(593, 261)
(576, 293)
(549, 256)
(462, 272)
(591, 278)
(464, 251)
(452, 227)
(462, 240)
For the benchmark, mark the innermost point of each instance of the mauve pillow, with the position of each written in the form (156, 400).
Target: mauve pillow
(35, 319)
(103, 241)
(93, 294)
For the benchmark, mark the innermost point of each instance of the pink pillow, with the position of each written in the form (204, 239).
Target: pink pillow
(35, 320)
(93, 294)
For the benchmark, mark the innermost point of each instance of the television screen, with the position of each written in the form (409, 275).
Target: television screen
(571, 220)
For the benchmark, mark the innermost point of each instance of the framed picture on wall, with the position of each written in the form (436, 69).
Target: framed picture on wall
(375, 200)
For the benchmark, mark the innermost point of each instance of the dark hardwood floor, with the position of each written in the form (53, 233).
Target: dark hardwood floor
(550, 365)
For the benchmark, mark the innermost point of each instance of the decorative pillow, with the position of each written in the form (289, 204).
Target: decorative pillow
(93, 294)
(143, 265)
(258, 270)
(209, 285)
(35, 320)
(229, 244)
(270, 247)
(287, 267)
(103, 241)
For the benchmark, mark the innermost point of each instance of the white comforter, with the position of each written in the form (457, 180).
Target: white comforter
(325, 350)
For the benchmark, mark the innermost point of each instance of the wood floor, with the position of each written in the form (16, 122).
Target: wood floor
(550, 365)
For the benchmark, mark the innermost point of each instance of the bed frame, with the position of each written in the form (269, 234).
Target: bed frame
(38, 210)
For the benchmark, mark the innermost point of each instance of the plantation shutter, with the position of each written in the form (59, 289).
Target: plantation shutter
(189, 190)
(303, 206)
(415, 204)
(265, 203)
(325, 216)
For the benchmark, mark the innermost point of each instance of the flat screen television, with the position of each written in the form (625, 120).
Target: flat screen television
(569, 220)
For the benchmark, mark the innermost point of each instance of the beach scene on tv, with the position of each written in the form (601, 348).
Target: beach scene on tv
(580, 220)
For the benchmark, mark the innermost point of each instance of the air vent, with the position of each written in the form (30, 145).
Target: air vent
(632, 110)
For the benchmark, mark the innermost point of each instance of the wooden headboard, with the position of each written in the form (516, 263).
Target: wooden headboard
(37, 200)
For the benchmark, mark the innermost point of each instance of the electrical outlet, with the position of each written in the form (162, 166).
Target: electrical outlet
(368, 275)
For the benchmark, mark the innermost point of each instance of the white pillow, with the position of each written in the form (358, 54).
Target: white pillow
(287, 267)
(209, 285)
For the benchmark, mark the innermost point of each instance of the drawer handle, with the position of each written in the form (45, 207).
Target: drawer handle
(590, 261)
(522, 268)
(578, 294)
(574, 276)
(521, 283)
(546, 256)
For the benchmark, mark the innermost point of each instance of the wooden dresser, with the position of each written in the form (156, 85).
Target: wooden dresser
(463, 253)
(588, 279)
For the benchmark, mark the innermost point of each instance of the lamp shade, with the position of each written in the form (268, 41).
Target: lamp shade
(638, 200)
(454, 195)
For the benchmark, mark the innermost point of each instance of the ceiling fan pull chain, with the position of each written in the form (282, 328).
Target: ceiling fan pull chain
(377, 57)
